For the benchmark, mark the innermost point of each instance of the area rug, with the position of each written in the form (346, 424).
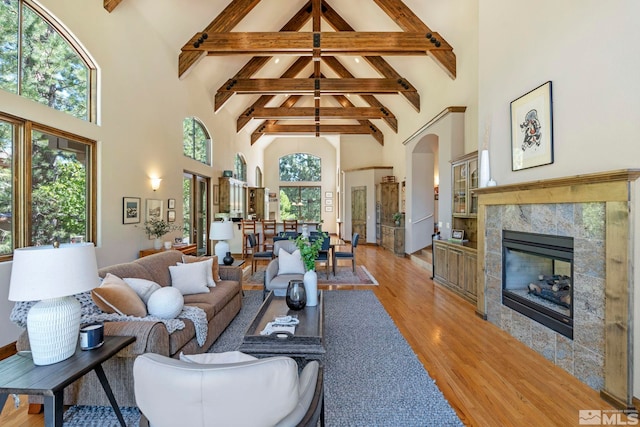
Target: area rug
(344, 276)
(372, 377)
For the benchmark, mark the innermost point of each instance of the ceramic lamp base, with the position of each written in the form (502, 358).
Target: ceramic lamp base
(221, 248)
(53, 326)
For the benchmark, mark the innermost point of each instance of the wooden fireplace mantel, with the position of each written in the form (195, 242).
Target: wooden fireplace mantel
(617, 190)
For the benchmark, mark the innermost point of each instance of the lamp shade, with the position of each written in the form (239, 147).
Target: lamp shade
(44, 272)
(221, 230)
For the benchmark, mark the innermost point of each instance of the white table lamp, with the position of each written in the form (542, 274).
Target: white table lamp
(221, 231)
(52, 276)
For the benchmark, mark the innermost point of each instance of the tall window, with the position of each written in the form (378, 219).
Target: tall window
(302, 202)
(195, 214)
(196, 140)
(240, 168)
(39, 61)
(59, 203)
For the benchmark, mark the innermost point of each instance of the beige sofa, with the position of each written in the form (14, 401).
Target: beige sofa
(221, 305)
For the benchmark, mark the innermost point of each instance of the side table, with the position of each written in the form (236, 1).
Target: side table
(19, 375)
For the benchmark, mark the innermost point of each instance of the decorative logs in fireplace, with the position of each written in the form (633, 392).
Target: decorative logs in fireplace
(555, 288)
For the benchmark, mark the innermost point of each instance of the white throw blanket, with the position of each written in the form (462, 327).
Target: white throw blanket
(91, 314)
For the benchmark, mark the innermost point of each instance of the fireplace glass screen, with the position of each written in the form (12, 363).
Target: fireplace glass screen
(537, 280)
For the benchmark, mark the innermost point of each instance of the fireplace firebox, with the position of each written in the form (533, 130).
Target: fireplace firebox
(537, 278)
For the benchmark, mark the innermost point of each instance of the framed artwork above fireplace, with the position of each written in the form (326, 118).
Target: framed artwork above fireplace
(532, 129)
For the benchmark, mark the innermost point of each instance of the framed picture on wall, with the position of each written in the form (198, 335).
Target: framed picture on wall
(328, 194)
(171, 216)
(532, 129)
(154, 209)
(130, 210)
(328, 208)
(328, 202)
(216, 194)
(171, 204)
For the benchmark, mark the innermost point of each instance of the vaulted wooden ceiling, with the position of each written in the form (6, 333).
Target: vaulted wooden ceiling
(316, 49)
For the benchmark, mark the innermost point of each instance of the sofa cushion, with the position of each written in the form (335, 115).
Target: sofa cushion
(143, 287)
(208, 269)
(190, 278)
(215, 267)
(157, 266)
(166, 303)
(290, 263)
(115, 296)
(214, 301)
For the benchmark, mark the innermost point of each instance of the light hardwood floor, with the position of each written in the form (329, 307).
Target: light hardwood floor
(488, 377)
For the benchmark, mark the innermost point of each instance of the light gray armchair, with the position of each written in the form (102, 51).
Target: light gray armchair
(274, 282)
(252, 393)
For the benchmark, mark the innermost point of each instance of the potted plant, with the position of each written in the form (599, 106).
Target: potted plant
(309, 250)
(397, 217)
(156, 228)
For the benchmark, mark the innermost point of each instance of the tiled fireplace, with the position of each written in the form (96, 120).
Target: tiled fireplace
(593, 211)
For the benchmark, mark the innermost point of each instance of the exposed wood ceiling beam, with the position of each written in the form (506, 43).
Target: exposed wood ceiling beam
(257, 62)
(292, 100)
(302, 43)
(310, 86)
(409, 21)
(378, 63)
(353, 113)
(311, 128)
(109, 5)
(225, 21)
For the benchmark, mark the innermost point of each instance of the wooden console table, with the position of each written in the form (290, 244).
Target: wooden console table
(19, 375)
(185, 249)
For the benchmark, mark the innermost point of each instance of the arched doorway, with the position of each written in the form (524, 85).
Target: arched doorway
(423, 209)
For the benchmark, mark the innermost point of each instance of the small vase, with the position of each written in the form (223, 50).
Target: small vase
(296, 297)
(311, 287)
(228, 259)
(157, 243)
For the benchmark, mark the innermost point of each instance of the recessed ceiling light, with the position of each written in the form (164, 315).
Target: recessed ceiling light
(357, 60)
(277, 60)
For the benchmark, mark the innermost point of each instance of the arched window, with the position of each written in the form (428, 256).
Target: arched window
(196, 140)
(302, 202)
(42, 62)
(240, 168)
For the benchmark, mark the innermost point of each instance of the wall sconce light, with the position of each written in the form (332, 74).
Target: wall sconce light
(155, 183)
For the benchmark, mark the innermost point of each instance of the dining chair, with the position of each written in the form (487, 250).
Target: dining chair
(268, 233)
(248, 227)
(323, 254)
(255, 255)
(339, 255)
(290, 225)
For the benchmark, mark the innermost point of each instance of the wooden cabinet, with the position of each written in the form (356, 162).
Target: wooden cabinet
(393, 239)
(465, 179)
(232, 194)
(388, 199)
(258, 202)
(454, 266)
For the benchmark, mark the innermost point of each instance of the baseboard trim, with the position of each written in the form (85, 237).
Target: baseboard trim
(8, 350)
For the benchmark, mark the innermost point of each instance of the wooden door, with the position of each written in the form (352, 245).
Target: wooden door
(359, 212)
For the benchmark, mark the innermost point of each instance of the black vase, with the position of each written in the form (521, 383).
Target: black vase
(228, 259)
(296, 295)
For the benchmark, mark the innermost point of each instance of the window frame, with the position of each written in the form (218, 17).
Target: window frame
(22, 189)
(208, 141)
(61, 30)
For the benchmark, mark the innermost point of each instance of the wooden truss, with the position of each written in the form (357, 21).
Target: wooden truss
(317, 47)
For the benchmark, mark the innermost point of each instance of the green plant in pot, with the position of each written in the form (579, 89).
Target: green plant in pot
(309, 250)
(397, 217)
(157, 227)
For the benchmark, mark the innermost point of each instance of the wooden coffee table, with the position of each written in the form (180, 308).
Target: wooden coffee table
(307, 343)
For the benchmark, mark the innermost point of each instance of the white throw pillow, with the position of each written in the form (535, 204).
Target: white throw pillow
(143, 287)
(190, 278)
(217, 358)
(209, 264)
(290, 263)
(165, 303)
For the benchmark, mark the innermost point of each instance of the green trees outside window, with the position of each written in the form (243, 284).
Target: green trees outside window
(196, 140)
(301, 202)
(39, 62)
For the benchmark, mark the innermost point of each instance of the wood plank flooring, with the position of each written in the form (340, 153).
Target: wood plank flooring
(488, 377)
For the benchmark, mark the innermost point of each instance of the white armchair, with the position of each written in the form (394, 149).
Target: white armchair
(253, 393)
(273, 281)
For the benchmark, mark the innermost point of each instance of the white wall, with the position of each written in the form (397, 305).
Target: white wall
(589, 50)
